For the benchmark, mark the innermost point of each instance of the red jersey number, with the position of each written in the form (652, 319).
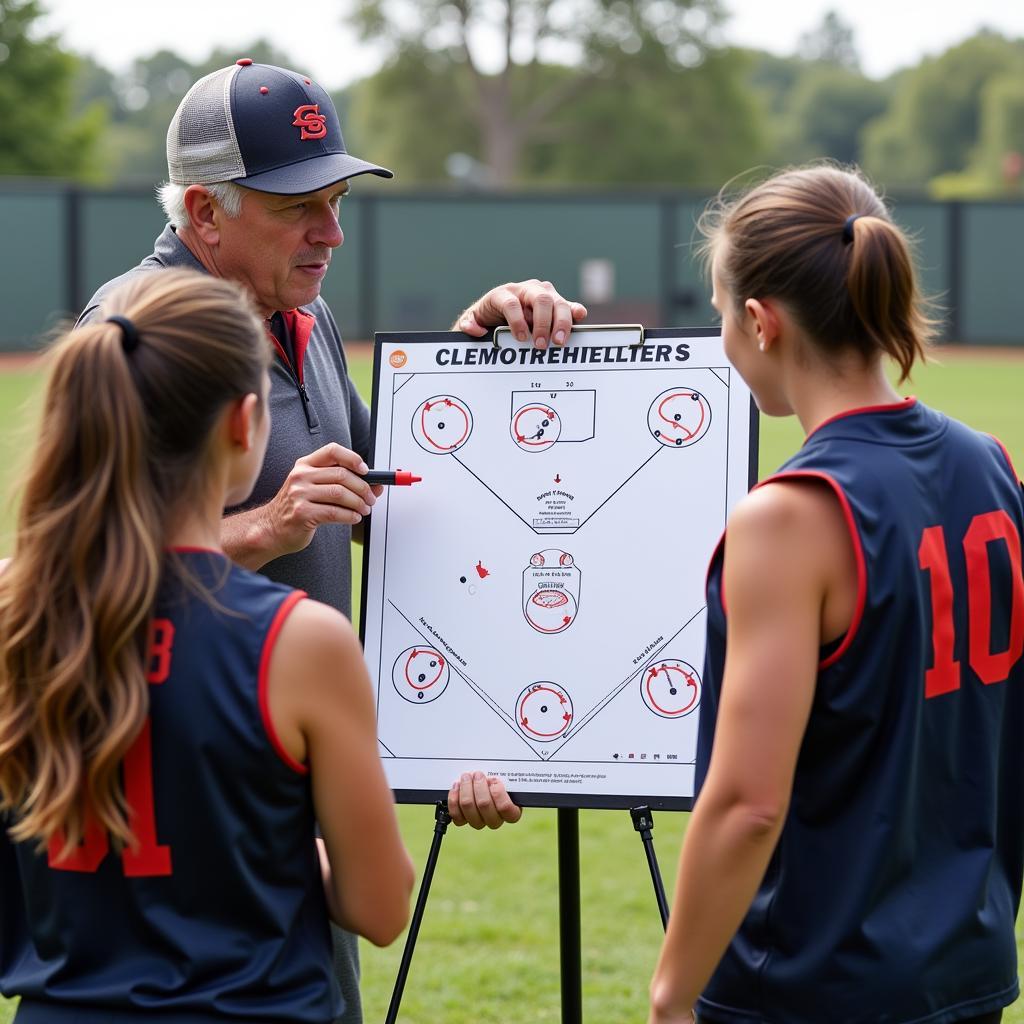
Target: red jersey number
(988, 665)
(148, 858)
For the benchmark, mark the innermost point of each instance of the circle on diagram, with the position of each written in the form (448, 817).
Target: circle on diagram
(536, 427)
(670, 689)
(550, 610)
(679, 417)
(420, 674)
(442, 424)
(543, 711)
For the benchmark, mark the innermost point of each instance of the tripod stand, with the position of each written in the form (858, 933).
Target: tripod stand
(568, 903)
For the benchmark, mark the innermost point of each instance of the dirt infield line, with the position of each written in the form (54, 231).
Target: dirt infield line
(14, 361)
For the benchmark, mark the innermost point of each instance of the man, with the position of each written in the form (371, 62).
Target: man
(257, 173)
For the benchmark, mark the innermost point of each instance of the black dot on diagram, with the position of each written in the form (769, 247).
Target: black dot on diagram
(544, 711)
(671, 689)
(679, 417)
(420, 674)
(535, 427)
(442, 424)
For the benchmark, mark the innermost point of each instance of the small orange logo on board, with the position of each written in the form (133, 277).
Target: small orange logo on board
(398, 359)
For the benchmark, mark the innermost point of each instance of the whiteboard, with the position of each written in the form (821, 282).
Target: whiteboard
(535, 607)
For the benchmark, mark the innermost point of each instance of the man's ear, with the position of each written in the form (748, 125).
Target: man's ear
(203, 213)
(764, 318)
(242, 421)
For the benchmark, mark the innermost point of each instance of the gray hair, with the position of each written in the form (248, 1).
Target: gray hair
(172, 199)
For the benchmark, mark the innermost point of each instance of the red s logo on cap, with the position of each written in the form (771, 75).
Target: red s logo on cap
(311, 121)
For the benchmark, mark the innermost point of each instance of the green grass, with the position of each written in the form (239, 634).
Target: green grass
(488, 949)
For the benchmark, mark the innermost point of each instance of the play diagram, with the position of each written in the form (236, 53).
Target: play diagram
(535, 606)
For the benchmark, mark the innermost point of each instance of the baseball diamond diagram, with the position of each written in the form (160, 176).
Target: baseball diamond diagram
(535, 606)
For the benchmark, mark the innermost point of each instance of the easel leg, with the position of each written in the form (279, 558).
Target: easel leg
(569, 914)
(643, 822)
(441, 822)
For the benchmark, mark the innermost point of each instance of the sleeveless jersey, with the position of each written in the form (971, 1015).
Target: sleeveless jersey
(892, 894)
(219, 914)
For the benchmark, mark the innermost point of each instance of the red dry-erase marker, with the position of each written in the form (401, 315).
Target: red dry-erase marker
(391, 478)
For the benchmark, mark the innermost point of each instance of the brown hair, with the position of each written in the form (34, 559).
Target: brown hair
(850, 284)
(123, 443)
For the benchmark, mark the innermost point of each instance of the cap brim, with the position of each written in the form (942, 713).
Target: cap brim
(311, 175)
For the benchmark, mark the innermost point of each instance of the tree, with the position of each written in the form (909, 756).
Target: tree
(827, 110)
(997, 164)
(657, 125)
(831, 42)
(932, 126)
(39, 135)
(514, 100)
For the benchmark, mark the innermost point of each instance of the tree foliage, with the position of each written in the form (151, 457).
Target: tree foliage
(832, 42)
(39, 135)
(518, 100)
(498, 92)
(932, 127)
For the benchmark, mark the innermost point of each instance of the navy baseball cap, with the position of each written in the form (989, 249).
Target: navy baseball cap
(262, 127)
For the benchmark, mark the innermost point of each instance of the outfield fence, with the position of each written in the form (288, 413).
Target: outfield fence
(413, 259)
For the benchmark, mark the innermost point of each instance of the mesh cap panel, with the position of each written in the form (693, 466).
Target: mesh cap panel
(201, 143)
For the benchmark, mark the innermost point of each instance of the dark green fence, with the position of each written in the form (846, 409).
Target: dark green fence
(413, 260)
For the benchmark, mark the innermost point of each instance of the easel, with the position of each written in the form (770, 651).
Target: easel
(568, 903)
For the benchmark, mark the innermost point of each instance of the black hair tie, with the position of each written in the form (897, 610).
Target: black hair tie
(848, 227)
(129, 334)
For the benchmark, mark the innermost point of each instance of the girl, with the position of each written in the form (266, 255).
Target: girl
(170, 724)
(855, 854)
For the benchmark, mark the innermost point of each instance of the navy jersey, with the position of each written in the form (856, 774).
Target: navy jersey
(219, 914)
(893, 891)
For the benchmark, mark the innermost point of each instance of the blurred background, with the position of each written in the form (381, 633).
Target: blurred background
(570, 139)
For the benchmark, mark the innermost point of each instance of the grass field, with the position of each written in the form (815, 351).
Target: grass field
(488, 950)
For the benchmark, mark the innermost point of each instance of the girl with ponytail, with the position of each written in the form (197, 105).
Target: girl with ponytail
(856, 850)
(168, 721)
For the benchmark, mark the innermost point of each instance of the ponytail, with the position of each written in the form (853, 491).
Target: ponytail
(129, 408)
(820, 240)
(882, 290)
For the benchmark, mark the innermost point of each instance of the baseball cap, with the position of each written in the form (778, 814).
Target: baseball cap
(263, 127)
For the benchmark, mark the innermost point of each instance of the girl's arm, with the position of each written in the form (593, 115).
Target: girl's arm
(788, 550)
(321, 705)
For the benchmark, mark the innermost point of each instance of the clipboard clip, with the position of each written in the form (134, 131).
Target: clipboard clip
(581, 329)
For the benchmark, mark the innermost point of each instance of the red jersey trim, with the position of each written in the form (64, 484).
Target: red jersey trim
(1006, 453)
(858, 550)
(264, 678)
(905, 403)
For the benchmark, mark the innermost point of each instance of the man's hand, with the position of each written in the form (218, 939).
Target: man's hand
(477, 799)
(325, 486)
(531, 308)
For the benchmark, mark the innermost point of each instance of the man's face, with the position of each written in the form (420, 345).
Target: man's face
(279, 247)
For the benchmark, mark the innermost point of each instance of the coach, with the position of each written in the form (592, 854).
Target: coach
(257, 172)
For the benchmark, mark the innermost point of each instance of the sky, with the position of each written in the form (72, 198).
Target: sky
(889, 33)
